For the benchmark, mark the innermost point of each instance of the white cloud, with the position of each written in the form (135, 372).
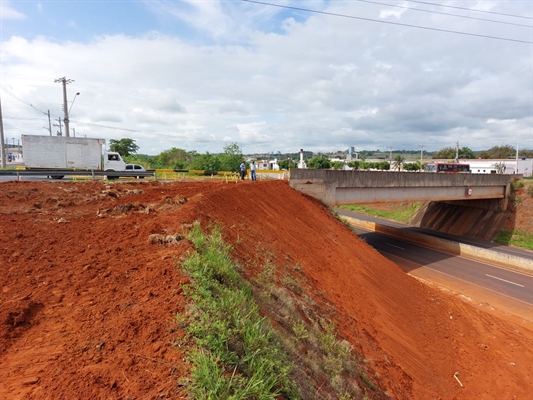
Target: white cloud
(7, 12)
(303, 81)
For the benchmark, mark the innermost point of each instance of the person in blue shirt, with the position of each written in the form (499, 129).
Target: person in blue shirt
(252, 171)
(243, 170)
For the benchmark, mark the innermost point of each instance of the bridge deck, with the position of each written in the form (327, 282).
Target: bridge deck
(349, 187)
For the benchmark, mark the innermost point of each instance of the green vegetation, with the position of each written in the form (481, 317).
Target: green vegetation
(517, 185)
(124, 147)
(415, 166)
(176, 158)
(337, 164)
(287, 163)
(515, 238)
(319, 162)
(238, 354)
(398, 162)
(401, 213)
(450, 153)
(366, 165)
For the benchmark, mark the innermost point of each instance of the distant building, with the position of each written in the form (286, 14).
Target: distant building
(301, 163)
(352, 154)
(524, 166)
(267, 164)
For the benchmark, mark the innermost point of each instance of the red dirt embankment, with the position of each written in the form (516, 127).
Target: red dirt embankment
(87, 301)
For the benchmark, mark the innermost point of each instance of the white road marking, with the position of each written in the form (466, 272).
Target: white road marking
(398, 247)
(504, 280)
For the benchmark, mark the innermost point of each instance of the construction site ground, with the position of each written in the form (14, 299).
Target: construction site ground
(88, 300)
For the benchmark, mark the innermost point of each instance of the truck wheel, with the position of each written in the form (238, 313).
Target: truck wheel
(57, 176)
(111, 178)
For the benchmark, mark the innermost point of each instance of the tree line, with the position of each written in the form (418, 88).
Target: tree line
(232, 156)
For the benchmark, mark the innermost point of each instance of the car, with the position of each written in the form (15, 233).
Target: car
(135, 167)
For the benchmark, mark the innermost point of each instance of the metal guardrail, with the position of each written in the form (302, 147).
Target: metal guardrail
(93, 174)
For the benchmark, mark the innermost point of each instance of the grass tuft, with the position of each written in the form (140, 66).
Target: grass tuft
(237, 352)
(515, 238)
(236, 355)
(403, 213)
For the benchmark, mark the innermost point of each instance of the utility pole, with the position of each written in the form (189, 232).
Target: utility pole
(390, 154)
(421, 152)
(2, 148)
(49, 123)
(60, 131)
(456, 152)
(65, 81)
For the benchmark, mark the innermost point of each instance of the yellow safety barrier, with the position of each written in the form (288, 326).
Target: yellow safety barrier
(231, 177)
(168, 175)
(76, 178)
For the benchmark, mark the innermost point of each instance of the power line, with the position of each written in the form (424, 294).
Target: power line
(101, 89)
(387, 22)
(470, 9)
(19, 99)
(443, 13)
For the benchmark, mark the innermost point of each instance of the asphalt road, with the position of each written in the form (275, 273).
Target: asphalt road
(506, 282)
(484, 244)
(506, 290)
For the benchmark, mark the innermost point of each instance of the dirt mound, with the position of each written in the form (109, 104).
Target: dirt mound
(89, 286)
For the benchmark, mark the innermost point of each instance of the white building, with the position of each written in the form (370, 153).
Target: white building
(523, 166)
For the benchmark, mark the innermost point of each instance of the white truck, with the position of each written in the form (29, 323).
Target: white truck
(68, 153)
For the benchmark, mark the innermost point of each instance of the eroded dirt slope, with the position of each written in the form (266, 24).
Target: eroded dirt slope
(87, 299)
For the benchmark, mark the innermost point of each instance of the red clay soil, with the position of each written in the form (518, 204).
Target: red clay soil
(87, 301)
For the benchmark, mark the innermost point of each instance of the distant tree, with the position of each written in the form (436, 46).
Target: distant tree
(526, 153)
(124, 147)
(148, 162)
(444, 153)
(337, 165)
(206, 162)
(500, 167)
(319, 162)
(355, 164)
(398, 162)
(465, 152)
(414, 166)
(174, 158)
(365, 165)
(383, 166)
(231, 159)
(449, 153)
(287, 164)
(498, 152)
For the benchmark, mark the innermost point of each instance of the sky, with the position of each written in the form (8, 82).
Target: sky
(272, 76)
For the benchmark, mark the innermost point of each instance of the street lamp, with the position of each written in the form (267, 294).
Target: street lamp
(67, 114)
(71, 104)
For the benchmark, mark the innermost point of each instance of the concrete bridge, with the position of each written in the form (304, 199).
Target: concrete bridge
(351, 187)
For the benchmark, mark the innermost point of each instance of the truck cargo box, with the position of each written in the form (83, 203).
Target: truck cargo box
(62, 152)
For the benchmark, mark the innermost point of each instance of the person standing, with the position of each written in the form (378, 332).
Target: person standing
(252, 171)
(243, 170)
